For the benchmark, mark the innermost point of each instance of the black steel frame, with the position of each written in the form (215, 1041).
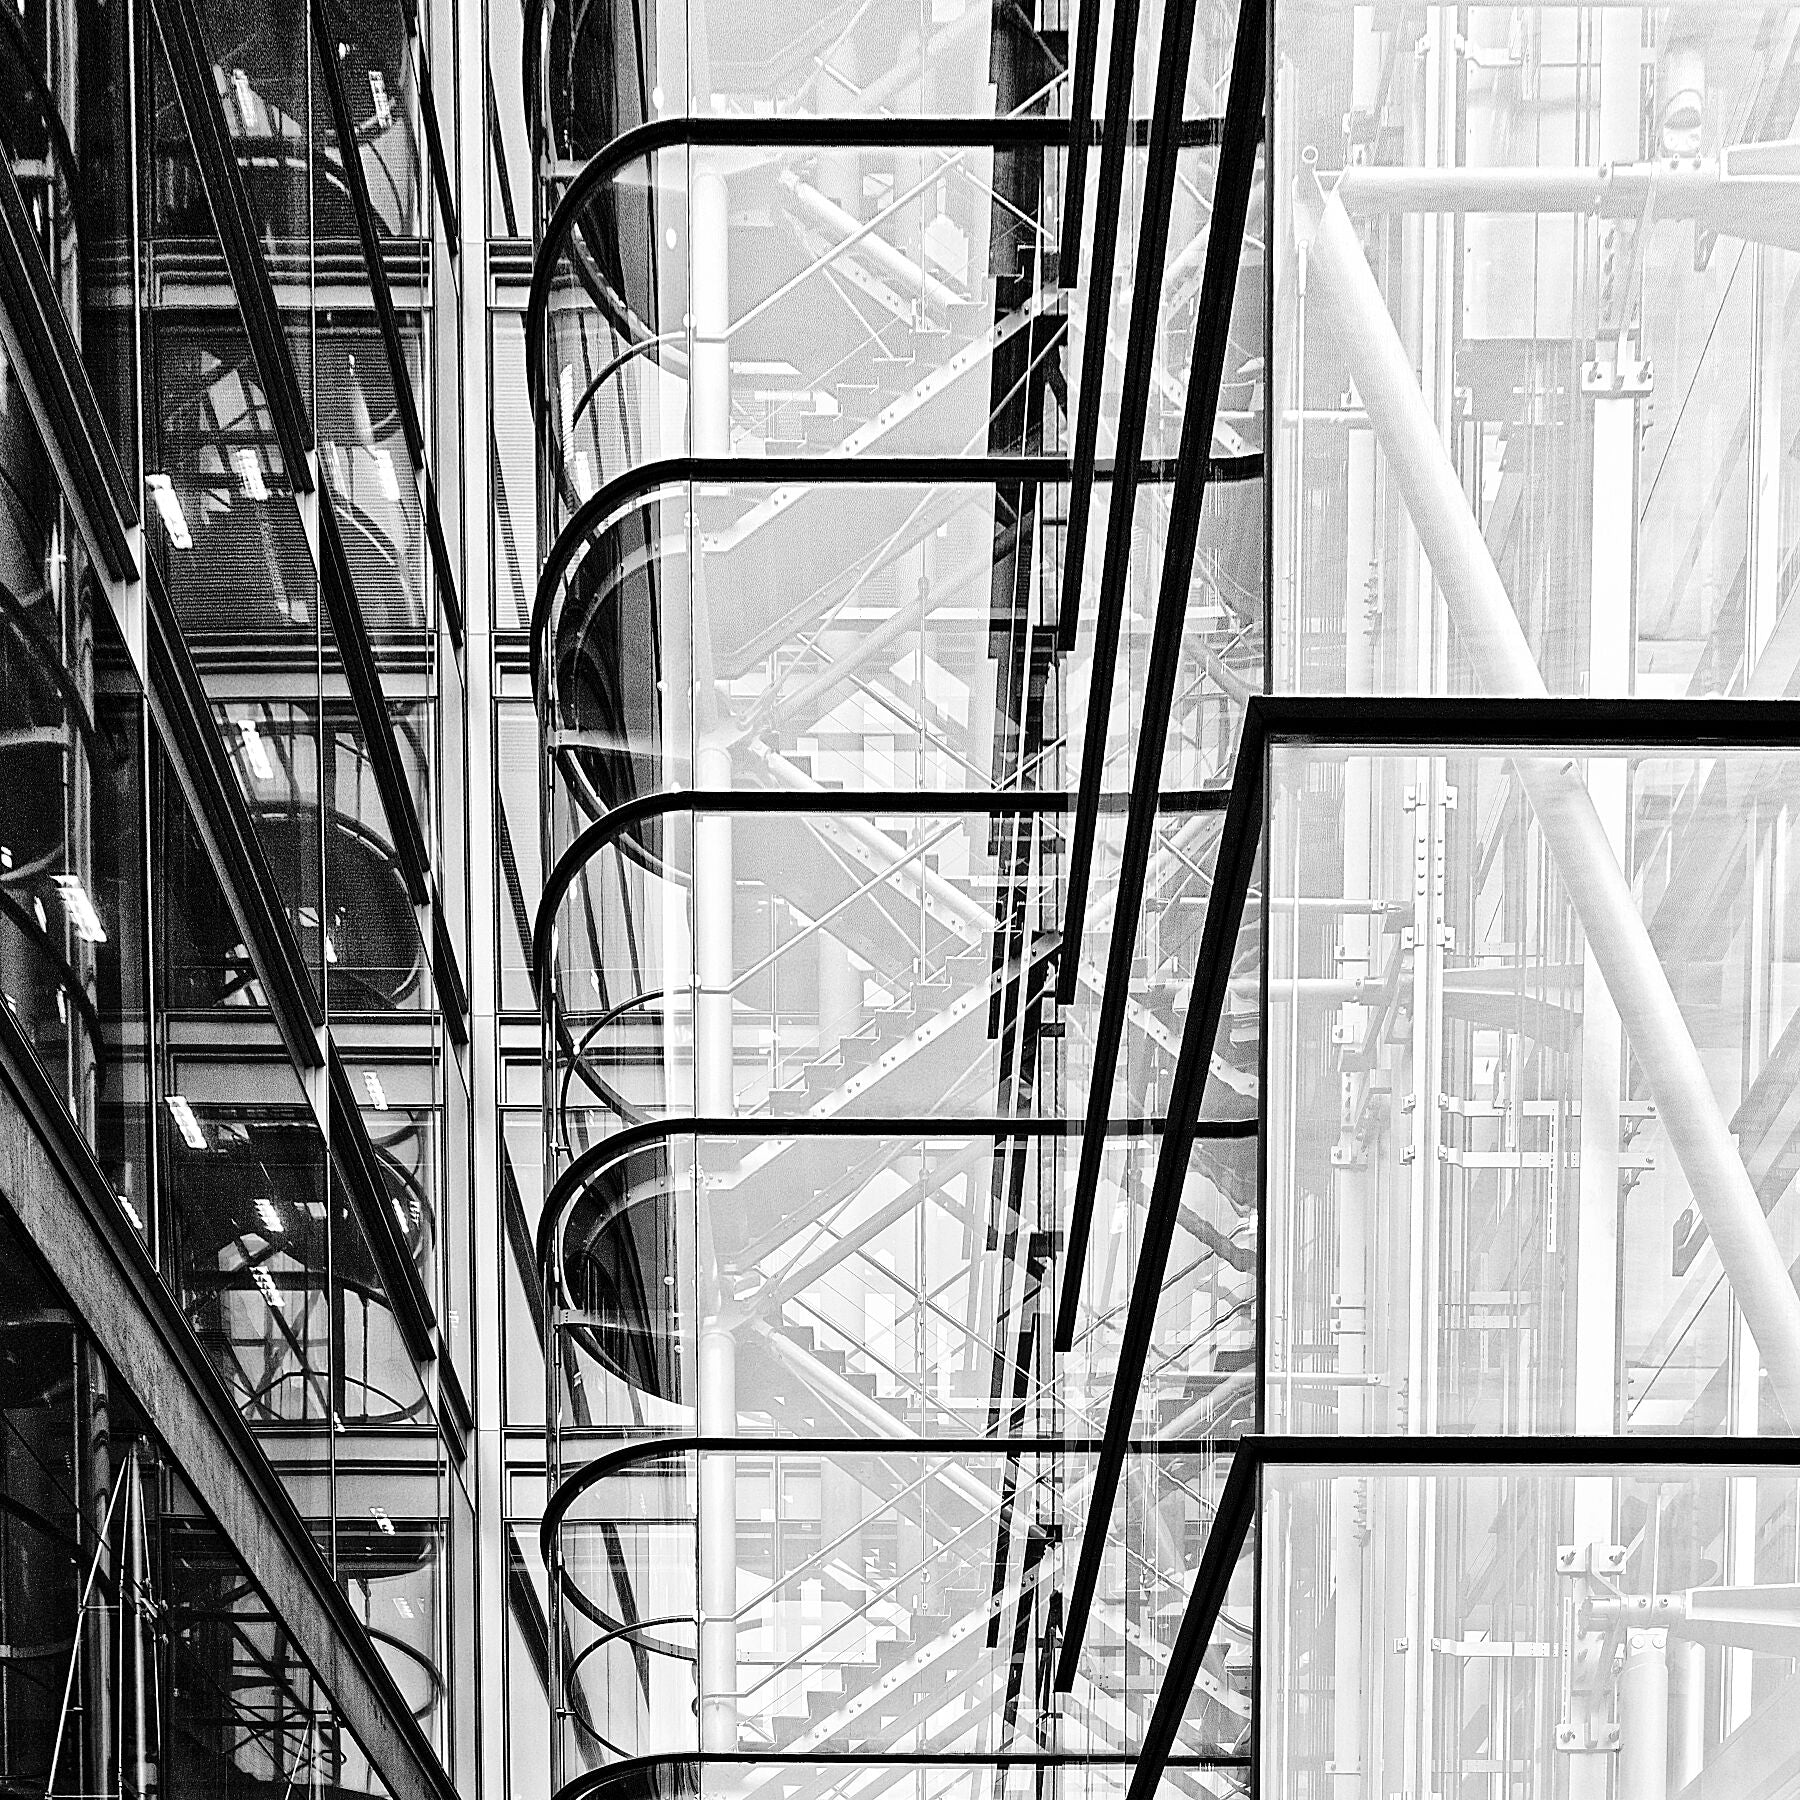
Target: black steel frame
(635, 1139)
(662, 1774)
(387, 318)
(640, 482)
(1224, 249)
(183, 718)
(1108, 204)
(190, 65)
(208, 1408)
(52, 363)
(1237, 1507)
(354, 1158)
(1540, 724)
(988, 803)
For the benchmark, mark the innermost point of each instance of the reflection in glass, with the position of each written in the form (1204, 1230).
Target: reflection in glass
(1594, 1631)
(1536, 1036)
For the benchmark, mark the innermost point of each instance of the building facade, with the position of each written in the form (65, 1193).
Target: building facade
(893, 899)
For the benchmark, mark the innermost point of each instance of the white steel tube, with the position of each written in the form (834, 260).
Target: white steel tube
(1345, 292)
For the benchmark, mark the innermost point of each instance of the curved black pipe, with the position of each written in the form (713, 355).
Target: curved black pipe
(637, 484)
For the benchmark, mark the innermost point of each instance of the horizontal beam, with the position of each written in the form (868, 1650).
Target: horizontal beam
(830, 803)
(636, 1775)
(1486, 1454)
(634, 1140)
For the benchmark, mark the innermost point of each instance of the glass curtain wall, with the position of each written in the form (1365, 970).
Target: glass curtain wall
(231, 857)
(821, 388)
(1530, 1023)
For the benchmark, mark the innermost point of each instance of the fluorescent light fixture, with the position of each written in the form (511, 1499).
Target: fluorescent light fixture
(386, 474)
(266, 1287)
(168, 506)
(245, 95)
(256, 752)
(270, 1214)
(379, 1514)
(130, 1211)
(376, 1092)
(403, 1606)
(84, 920)
(384, 107)
(185, 1122)
(249, 468)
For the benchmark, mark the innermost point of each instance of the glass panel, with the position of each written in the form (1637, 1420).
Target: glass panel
(874, 301)
(856, 636)
(65, 132)
(866, 967)
(881, 1599)
(246, 1187)
(72, 821)
(1531, 1037)
(1528, 1630)
(1533, 420)
(599, 71)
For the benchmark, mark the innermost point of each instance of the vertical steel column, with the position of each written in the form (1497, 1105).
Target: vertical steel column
(1352, 1699)
(1597, 1401)
(1644, 1717)
(1495, 644)
(1687, 1712)
(100, 1487)
(714, 1054)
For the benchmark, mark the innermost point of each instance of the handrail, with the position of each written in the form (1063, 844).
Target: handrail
(636, 484)
(599, 1158)
(792, 132)
(930, 1557)
(653, 1648)
(946, 1448)
(922, 803)
(592, 1782)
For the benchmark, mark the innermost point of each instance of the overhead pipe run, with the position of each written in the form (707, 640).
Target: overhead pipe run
(1340, 282)
(1751, 192)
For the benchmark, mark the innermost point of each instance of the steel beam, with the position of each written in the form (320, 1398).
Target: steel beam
(1231, 1523)
(1229, 208)
(1224, 249)
(183, 719)
(1342, 287)
(1108, 202)
(1081, 112)
(41, 346)
(381, 296)
(1239, 844)
(191, 66)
